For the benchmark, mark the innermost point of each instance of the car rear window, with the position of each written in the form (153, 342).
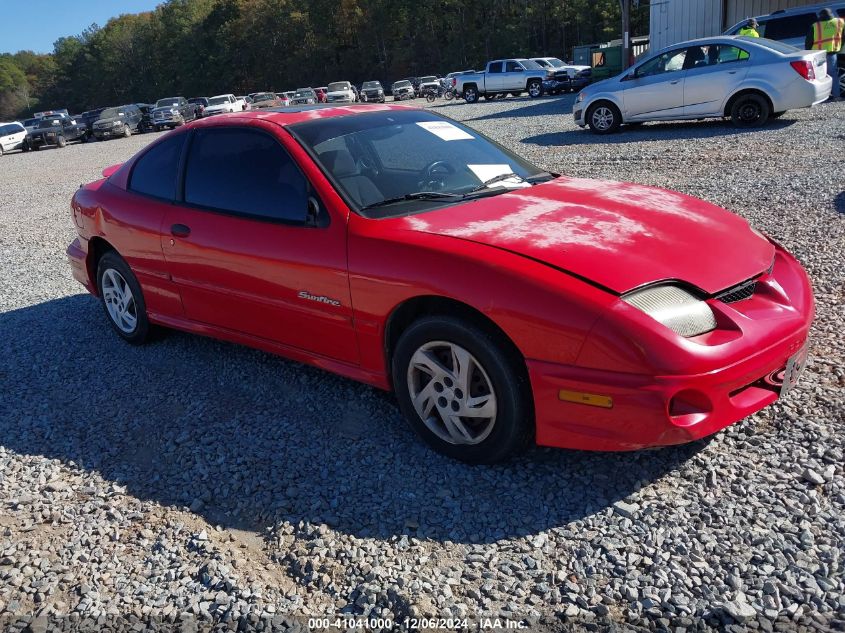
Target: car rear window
(778, 47)
(244, 172)
(788, 26)
(154, 174)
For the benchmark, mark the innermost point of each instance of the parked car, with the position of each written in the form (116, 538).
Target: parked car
(58, 130)
(172, 112)
(415, 82)
(502, 303)
(304, 96)
(747, 79)
(12, 136)
(563, 77)
(502, 77)
(146, 116)
(88, 118)
(223, 104)
(200, 104)
(372, 91)
(792, 25)
(262, 100)
(322, 93)
(341, 92)
(30, 124)
(247, 101)
(429, 82)
(284, 100)
(402, 90)
(118, 121)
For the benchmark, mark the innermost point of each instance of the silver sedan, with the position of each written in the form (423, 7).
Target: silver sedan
(747, 79)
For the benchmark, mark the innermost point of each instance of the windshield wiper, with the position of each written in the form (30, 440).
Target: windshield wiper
(418, 195)
(495, 179)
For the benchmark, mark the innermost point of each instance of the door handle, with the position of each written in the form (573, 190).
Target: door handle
(731, 72)
(180, 230)
(674, 82)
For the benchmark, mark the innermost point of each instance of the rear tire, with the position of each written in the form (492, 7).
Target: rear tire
(127, 132)
(61, 142)
(122, 299)
(471, 94)
(750, 110)
(604, 118)
(451, 368)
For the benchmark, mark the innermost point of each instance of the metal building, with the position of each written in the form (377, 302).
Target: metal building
(678, 20)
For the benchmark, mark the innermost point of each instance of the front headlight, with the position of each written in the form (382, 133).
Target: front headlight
(174, 111)
(674, 307)
(116, 123)
(580, 97)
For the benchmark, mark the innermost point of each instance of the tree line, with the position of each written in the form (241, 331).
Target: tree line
(206, 47)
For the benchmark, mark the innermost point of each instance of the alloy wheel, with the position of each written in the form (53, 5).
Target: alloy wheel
(119, 300)
(533, 90)
(602, 118)
(452, 393)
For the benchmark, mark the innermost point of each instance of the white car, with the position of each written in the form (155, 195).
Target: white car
(747, 79)
(222, 104)
(341, 92)
(12, 136)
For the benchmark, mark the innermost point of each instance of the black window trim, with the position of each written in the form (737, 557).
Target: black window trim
(323, 218)
(146, 150)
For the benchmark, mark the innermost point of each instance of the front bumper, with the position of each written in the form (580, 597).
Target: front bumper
(42, 140)
(620, 410)
(578, 115)
(110, 132)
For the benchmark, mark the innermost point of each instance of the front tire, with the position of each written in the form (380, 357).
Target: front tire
(535, 89)
(461, 391)
(127, 132)
(750, 110)
(122, 299)
(61, 141)
(604, 118)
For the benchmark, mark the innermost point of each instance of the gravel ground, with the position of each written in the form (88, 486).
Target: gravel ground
(195, 479)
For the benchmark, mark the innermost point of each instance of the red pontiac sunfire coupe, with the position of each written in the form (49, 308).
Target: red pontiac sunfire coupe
(500, 302)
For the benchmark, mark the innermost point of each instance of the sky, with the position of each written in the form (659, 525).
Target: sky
(35, 24)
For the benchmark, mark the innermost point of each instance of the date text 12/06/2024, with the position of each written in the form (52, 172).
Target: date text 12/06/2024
(349, 623)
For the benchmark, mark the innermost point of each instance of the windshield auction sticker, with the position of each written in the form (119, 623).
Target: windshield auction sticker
(445, 130)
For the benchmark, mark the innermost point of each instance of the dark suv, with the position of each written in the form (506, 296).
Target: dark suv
(88, 117)
(58, 130)
(118, 121)
(172, 112)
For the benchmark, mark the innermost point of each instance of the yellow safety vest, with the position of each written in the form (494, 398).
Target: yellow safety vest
(748, 32)
(827, 35)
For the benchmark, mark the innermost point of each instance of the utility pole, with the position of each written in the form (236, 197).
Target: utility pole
(626, 33)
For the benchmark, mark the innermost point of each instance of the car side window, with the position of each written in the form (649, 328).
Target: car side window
(495, 67)
(154, 174)
(668, 62)
(787, 27)
(513, 67)
(725, 54)
(245, 172)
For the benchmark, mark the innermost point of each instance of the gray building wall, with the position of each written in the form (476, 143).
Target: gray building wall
(674, 21)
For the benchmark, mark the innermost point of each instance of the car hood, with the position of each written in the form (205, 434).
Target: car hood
(339, 93)
(164, 109)
(106, 122)
(617, 235)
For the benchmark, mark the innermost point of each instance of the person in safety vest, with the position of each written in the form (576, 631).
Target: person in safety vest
(826, 35)
(750, 29)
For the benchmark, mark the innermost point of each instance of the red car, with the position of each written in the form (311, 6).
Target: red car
(501, 303)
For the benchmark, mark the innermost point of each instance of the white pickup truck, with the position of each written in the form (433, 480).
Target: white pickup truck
(221, 104)
(503, 77)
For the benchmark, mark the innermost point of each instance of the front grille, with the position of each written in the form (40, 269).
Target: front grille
(743, 291)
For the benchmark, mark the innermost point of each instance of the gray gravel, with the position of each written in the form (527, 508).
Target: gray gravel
(196, 480)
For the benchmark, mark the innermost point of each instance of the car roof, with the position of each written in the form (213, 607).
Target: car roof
(809, 8)
(291, 115)
(715, 39)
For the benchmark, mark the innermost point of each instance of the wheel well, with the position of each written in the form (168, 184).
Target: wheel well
(531, 80)
(97, 247)
(747, 91)
(413, 309)
(470, 85)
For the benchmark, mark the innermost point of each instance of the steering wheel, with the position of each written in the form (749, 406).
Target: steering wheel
(434, 175)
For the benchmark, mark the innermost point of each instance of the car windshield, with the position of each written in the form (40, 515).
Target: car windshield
(427, 80)
(402, 84)
(218, 100)
(263, 96)
(30, 122)
(49, 123)
(371, 84)
(339, 85)
(197, 100)
(554, 62)
(163, 103)
(368, 158)
(304, 94)
(110, 113)
(531, 65)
